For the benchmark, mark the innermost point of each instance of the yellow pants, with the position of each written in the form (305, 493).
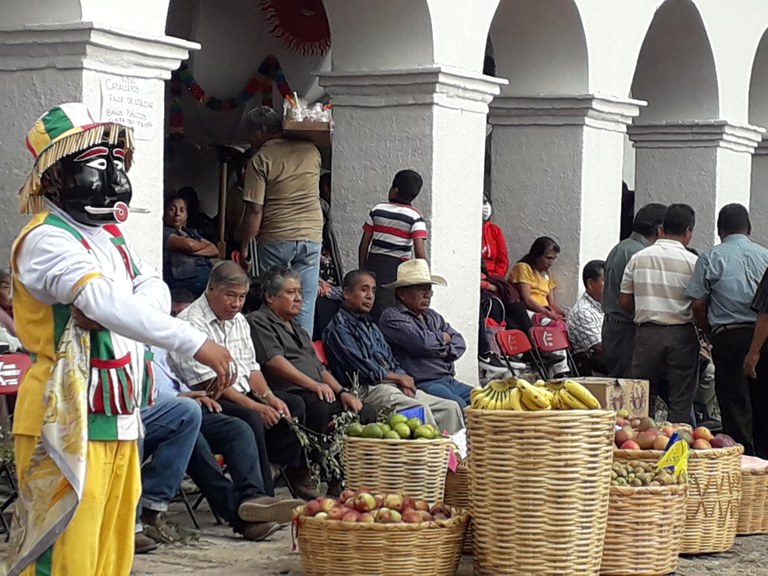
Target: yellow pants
(99, 540)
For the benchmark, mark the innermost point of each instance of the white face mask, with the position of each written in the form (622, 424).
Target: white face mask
(486, 211)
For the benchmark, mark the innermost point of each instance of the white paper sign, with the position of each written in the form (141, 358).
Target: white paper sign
(129, 101)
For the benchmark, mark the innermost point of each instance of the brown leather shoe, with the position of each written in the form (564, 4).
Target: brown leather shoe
(258, 531)
(268, 509)
(143, 543)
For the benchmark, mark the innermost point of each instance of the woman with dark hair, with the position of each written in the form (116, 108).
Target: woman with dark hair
(532, 280)
(187, 256)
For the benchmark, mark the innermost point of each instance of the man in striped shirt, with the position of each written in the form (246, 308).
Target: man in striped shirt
(394, 231)
(653, 288)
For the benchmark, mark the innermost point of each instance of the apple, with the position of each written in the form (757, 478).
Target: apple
(623, 413)
(346, 495)
(623, 435)
(311, 508)
(668, 431)
(722, 441)
(350, 502)
(646, 438)
(646, 423)
(660, 442)
(327, 504)
(703, 433)
(322, 515)
(394, 501)
(365, 502)
(350, 516)
(408, 502)
(440, 508)
(630, 445)
(379, 500)
(621, 422)
(421, 505)
(635, 422)
(384, 516)
(701, 444)
(412, 517)
(365, 518)
(335, 514)
(396, 516)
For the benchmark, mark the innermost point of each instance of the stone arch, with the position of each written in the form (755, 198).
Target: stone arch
(758, 87)
(540, 47)
(391, 35)
(675, 70)
(758, 116)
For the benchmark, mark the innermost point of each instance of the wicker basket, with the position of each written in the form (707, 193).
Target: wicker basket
(714, 493)
(654, 515)
(539, 484)
(753, 515)
(457, 495)
(332, 548)
(416, 468)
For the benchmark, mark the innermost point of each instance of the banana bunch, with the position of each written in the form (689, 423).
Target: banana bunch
(517, 394)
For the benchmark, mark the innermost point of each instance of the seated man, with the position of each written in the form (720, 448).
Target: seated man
(585, 321)
(217, 313)
(424, 344)
(355, 345)
(285, 350)
(247, 502)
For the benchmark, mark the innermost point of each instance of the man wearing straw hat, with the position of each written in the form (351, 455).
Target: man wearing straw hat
(84, 306)
(424, 344)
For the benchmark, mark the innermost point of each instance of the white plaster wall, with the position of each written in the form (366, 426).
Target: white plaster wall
(26, 95)
(628, 173)
(681, 175)
(451, 21)
(758, 206)
(733, 178)
(537, 183)
(145, 16)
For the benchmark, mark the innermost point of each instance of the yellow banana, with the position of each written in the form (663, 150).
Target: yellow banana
(532, 397)
(480, 401)
(582, 394)
(475, 393)
(571, 402)
(513, 400)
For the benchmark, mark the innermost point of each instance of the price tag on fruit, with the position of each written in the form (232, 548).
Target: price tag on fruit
(675, 456)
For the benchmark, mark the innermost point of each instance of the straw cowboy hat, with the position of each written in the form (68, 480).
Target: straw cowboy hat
(413, 273)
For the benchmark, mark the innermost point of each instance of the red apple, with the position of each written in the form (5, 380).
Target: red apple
(623, 435)
(350, 516)
(365, 518)
(311, 508)
(645, 439)
(394, 501)
(335, 514)
(346, 494)
(630, 445)
(701, 444)
(379, 500)
(412, 517)
(384, 516)
(408, 502)
(327, 504)
(421, 505)
(365, 502)
(703, 433)
(440, 508)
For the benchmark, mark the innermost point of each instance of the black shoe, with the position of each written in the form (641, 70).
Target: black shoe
(143, 543)
(491, 362)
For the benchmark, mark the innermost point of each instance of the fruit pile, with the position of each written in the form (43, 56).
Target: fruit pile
(638, 473)
(365, 506)
(645, 434)
(517, 394)
(398, 427)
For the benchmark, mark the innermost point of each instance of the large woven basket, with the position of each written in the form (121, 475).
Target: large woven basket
(651, 515)
(413, 467)
(714, 494)
(539, 484)
(457, 495)
(753, 513)
(333, 548)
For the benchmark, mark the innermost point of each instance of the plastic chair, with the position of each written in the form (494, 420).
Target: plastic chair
(514, 343)
(13, 367)
(320, 352)
(549, 339)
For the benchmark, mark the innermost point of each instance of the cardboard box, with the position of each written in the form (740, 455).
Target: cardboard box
(618, 393)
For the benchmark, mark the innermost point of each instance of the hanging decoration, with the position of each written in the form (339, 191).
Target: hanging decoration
(301, 25)
(260, 83)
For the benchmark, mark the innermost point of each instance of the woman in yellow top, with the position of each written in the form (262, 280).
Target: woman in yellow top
(532, 280)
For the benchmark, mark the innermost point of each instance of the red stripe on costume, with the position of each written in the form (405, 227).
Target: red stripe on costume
(90, 153)
(367, 227)
(107, 364)
(419, 234)
(391, 231)
(30, 147)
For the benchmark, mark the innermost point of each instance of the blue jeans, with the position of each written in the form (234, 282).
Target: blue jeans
(449, 388)
(304, 257)
(171, 429)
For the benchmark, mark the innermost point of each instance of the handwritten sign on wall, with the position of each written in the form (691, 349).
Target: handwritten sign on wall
(129, 101)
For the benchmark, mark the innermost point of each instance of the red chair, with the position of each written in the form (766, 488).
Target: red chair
(513, 343)
(549, 339)
(13, 367)
(320, 352)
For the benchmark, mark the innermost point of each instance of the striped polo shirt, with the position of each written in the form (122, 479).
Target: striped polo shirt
(394, 226)
(658, 277)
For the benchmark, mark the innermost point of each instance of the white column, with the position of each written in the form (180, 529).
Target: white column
(44, 65)
(705, 164)
(557, 171)
(433, 121)
(758, 200)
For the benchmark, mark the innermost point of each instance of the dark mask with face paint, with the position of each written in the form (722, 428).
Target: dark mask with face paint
(95, 178)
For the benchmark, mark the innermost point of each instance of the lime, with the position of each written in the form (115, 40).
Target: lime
(435, 430)
(397, 419)
(391, 435)
(385, 427)
(403, 430)
(373, 431)
(424, 432)
(355, 430)
(414, 423)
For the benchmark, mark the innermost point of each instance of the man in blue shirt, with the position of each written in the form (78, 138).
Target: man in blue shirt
(723, 285)
(356, 346)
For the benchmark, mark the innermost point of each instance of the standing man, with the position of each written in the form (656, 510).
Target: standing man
(619, 326)
(756, 368)
(585, 321)
(666, 342)
(722, 288)
(84, 306)
(282, 205)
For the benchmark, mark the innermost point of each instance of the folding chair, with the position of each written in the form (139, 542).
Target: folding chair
(12, 370)
(514, 343)
(320, 352)
(549, 339)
